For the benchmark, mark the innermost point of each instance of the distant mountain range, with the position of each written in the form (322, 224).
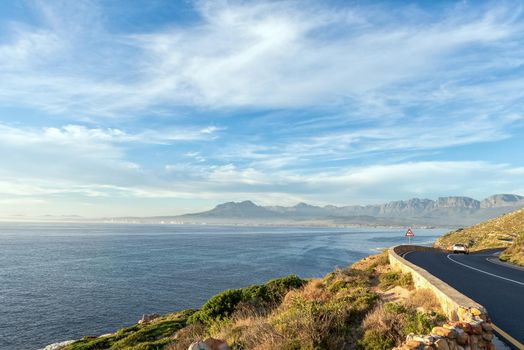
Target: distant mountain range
(445, 211)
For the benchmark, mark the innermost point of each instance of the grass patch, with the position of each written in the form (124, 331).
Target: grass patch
(391, 279)
(152, 336)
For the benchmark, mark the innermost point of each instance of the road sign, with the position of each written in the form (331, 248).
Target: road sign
(409, 234)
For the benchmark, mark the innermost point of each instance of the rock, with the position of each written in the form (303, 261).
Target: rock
(487, 327)
(58, 346)
(148, 318)
(413, 344)
(474, 341)
(462, 337)
(216, 344)
(442, 344)
(425, 339)
(444, 332)
(487, 336)
(476, 312)
(464, 326)
(198, 345)
(476, 328)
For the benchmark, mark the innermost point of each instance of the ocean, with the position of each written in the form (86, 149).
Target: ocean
(65, 281)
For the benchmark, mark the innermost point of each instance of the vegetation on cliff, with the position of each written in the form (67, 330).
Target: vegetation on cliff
(365, 306)
(499, 232)
(515, 252)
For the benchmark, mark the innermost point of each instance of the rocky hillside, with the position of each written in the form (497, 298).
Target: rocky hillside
(499, 232)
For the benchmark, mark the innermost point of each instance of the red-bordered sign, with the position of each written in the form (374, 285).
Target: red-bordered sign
(409, 233)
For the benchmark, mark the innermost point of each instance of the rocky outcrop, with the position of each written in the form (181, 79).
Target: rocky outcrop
(473, 334)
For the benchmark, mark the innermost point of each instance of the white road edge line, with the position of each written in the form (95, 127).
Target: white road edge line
(497, 262)
(406, 254)
(487, 273)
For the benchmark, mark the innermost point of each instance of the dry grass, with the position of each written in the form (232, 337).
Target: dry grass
(324, 314)
(382, 323)
(373, 263)
(186, 336)
(494, 233)
(423, 300)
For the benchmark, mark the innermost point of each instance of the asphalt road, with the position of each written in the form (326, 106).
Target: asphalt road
(497, 287)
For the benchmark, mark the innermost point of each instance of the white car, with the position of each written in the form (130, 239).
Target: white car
(460, 248)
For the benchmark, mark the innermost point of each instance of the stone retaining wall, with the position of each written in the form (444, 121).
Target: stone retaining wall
(455, 305)
(470, 327)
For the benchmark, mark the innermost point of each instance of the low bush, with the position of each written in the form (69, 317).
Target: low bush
(151, 336)
(268, 295)
(393, 278)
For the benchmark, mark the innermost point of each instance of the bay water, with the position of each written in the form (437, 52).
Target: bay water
(65, 281)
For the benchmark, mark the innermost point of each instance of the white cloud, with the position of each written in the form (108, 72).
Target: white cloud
(268, 54)
(364, 81)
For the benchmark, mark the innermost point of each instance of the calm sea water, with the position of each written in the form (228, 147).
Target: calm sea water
(64, 281)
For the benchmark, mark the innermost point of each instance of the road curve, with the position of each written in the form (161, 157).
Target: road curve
(498, 287)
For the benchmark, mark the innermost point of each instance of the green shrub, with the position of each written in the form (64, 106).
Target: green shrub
(393, 278)
(222, 305)
(422, 323)
(152, 336)
(375, 340)
(406, 281)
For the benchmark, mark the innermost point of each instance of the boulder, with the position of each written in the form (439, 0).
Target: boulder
(413, 344)
(198, 345)
(444, 332)
(442, 344)
(487, 336)
(462, 337)
(209, 344)
(425, 339)
(464, 326)
(476, 328)
(487, 327)
(217, 344)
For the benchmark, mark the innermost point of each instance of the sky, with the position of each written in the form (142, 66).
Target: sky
(160, 107)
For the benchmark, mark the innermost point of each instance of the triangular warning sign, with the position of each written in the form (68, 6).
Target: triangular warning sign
(409, 233)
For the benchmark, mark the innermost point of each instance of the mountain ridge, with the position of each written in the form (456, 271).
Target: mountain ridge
(449, 211)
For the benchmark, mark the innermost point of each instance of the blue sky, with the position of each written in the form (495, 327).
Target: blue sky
(163, 107)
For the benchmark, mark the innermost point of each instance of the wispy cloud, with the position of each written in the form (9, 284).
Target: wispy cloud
(269, 54)
(272, 101)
